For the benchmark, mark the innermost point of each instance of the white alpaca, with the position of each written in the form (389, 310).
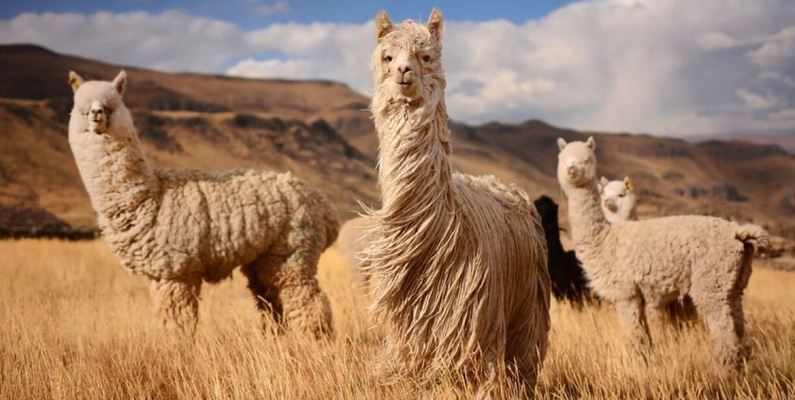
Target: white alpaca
(654, 261)
(618, 200)
(619, 204)
(458, 262)
(180, 227)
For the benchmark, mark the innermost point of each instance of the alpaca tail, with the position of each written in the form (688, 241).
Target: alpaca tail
(331, 220)
(754, 236)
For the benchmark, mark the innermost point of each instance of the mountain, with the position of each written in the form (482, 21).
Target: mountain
(784, 139)
(322, 131)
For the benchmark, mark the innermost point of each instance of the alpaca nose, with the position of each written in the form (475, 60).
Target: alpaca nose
(610, 204)
(571, 170)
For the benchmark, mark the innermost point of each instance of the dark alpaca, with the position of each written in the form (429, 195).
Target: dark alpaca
(568, 278)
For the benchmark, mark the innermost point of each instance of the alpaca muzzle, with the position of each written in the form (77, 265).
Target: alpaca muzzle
(405, 80)
(97, 118)
(571, 172)
(611, 205)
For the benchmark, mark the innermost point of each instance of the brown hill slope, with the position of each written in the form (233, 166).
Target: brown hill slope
(322, 132)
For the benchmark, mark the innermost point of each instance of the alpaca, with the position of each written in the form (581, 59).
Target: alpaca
(458, 262)
(568, 278)
(179, 227)
(619, 204)
(351, 242)
(633, 263)
(618, 200)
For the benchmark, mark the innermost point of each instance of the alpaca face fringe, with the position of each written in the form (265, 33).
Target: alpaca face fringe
(409, 80)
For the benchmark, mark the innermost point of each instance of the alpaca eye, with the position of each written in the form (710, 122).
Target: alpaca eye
(388, 58)
(427, 59)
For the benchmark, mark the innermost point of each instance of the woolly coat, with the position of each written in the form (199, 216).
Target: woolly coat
(658, 260)
(182, 226)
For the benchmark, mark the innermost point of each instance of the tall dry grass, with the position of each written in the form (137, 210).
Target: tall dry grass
(73, 325)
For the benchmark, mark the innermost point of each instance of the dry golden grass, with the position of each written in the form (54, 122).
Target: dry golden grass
(73, 325)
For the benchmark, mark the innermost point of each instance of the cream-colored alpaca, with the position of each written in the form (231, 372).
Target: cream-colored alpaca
(180, 227)
(654, 261)
(353, 239)
(618, 200)
(619, 204)
(458, 262)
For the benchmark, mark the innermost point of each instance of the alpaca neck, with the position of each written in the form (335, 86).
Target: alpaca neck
(118, 178)
(415, 175)
(588, 223)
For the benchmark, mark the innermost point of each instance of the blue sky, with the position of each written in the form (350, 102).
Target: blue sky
(673, 67)
(247, 14)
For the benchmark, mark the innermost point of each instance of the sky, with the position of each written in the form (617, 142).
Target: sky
(671, 67)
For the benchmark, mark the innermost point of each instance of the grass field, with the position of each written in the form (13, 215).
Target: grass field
(74, 325)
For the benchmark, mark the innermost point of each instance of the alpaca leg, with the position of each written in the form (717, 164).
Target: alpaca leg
(633, 321)
(176, 303)
(720, 320)
(738, 319)
(489, 379)
(306, 307)
(265, 294)
(293, 268)
(527, 357)
(656, 315)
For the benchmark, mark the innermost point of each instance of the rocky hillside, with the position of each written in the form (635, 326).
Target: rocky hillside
(322, 131)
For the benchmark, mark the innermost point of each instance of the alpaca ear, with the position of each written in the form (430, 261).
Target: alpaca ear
(120, 82)
(603, 182)
(628, 184)
(591, 143)
(383, 25)
(561, 144)
(75, 80)
(435, 24)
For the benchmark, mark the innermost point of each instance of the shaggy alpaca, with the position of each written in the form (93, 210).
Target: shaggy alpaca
(568, 278)
(351, 242)
(179, 227)
(657, 260)
(618, 200)
(458, 262)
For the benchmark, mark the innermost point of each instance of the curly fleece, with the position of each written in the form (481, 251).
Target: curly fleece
(654, 261)
(181, 227)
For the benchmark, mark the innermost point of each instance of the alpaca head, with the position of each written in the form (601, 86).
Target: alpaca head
(406, 63)
(618, 199)
(99, 112)
(576, 163)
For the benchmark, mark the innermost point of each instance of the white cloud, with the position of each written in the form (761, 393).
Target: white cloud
(172, 41)
(758, 101)
(662, 66)
(289, 69)
(716, 40)
(279, 7)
